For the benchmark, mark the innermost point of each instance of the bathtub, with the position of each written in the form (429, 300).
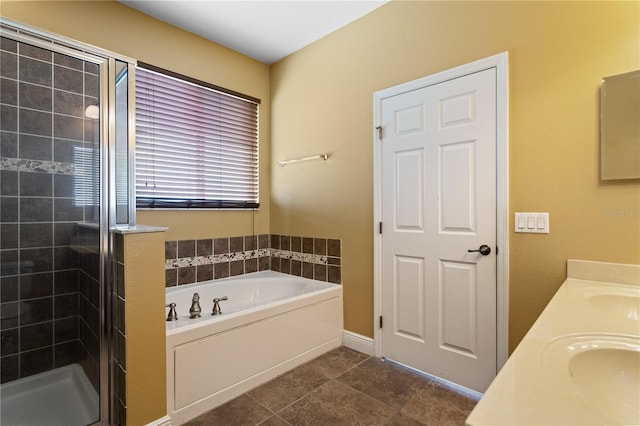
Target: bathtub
(271, 323)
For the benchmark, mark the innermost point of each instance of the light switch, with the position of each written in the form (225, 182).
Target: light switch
(536, 223)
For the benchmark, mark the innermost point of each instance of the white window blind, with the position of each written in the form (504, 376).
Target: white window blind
(86, 177)
(196, 146)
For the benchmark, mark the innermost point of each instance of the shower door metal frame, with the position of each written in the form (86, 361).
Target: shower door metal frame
(106, 62)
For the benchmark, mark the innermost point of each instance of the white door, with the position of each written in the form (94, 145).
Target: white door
(438, 198)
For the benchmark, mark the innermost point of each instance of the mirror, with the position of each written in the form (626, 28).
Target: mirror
(620, 126)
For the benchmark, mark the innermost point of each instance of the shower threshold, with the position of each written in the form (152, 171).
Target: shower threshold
(60, 397)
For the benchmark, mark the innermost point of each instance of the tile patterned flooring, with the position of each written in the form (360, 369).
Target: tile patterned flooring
(344, 388)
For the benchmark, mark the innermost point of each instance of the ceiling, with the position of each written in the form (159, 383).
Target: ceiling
(266, 30)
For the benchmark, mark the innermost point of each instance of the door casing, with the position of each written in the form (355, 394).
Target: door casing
(501, 63)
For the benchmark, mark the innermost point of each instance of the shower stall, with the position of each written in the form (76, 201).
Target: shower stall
(65, 126)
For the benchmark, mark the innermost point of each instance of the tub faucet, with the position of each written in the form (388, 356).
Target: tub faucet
(216, 305)
(173, 315)
(195, 310)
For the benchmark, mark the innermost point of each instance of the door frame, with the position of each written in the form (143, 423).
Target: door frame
(501, 63)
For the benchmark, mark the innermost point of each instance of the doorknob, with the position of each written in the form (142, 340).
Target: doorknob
(483, 249)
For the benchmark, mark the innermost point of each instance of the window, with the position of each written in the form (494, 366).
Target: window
(196, 144)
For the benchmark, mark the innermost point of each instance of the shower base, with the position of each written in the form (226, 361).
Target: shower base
(60, 397)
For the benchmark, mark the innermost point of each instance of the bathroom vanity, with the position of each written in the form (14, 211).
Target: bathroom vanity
(580, 361)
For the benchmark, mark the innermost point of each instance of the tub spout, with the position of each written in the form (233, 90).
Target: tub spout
(216, 305)
(195, 310)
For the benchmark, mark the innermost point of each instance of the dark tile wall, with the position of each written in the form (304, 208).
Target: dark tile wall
(42, 100)
(315, 258)
(190, 261)
(118, 337)
(87, 245)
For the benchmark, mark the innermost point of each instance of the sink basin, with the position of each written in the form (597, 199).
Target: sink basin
(619, 305)
(603, 369)
(610, 379)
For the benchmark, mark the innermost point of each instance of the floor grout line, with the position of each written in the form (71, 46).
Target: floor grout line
(396, 411)
(428, 382)
(367, 395)
(302, 397)
(353, 367)
(311, 391)
(335, 378)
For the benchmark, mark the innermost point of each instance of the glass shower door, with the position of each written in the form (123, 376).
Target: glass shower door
(52, 234)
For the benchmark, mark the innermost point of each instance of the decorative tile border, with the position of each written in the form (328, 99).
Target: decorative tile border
(190, 261)
(183, 262)
(212, 259)
(20, 165)
(302, 257)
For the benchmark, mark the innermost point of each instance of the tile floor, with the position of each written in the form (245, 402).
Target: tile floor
(344, 387)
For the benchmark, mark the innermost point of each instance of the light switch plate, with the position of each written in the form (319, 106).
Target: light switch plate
(535, 223)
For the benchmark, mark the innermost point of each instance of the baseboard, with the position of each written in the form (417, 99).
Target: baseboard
(164, 421)
(358, 342)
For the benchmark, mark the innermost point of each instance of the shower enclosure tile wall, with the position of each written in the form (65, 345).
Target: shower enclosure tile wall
(48, 275)
(87, 245)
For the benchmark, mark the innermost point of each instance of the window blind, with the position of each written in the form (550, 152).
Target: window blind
(196, 147)
(86, 178)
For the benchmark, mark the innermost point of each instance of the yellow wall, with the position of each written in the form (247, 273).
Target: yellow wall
(321, 98)
(145, 327)
(322, 102)
(113, 26)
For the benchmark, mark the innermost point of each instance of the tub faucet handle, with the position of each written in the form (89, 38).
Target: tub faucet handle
(173, 315)
(195, 310)
(216, 305)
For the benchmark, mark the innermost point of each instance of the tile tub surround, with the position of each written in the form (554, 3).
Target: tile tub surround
(45, 294)
(535, 387)
(344, 387)
(190, 261)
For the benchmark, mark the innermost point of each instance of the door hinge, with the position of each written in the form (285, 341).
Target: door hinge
(379, 129)
(380, 228)
(380, 321)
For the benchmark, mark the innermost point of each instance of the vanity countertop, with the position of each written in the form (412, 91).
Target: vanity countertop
(580, 361)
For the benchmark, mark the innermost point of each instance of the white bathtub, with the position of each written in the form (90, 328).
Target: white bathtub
(271, 323)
